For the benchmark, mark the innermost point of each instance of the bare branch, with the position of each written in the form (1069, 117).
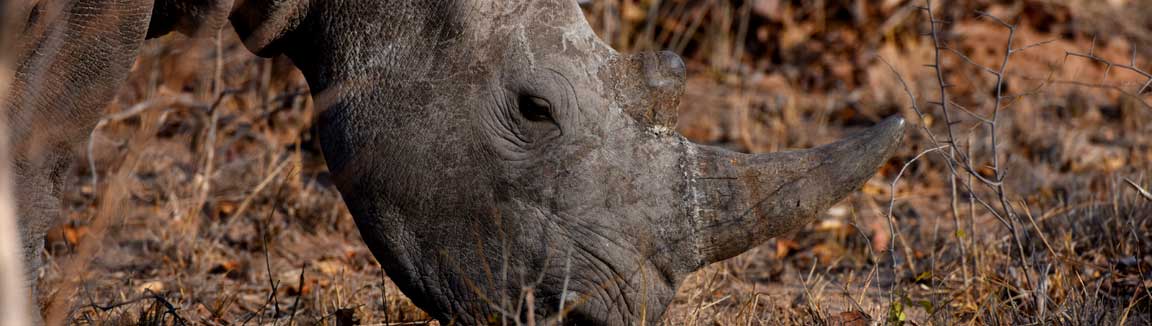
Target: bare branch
(1093, 57)
(973, 114)
(1033, 45)
(969, 60)
(982, 14)
(1109, 64)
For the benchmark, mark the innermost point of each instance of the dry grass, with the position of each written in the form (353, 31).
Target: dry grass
(212, 205)
(13, 300)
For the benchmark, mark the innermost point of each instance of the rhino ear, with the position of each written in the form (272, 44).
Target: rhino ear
(262, 23)
(189, 17)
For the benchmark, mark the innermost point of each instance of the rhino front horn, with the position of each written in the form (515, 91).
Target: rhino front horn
(741, 200)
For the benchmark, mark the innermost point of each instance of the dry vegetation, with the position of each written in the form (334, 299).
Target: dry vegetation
(1015, 200)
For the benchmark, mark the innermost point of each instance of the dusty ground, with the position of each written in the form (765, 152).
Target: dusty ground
(207, 201)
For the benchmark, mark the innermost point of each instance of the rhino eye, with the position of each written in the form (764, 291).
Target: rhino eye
(535, 108)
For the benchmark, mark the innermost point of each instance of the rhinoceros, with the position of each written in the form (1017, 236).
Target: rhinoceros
(485, 148)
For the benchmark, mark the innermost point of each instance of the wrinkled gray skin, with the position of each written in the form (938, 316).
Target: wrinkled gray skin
(483, 147)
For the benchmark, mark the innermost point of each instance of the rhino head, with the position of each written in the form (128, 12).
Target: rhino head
(488, 148)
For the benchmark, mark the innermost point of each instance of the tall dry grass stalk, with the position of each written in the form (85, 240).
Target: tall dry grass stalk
(12, 294)
(13, 306)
